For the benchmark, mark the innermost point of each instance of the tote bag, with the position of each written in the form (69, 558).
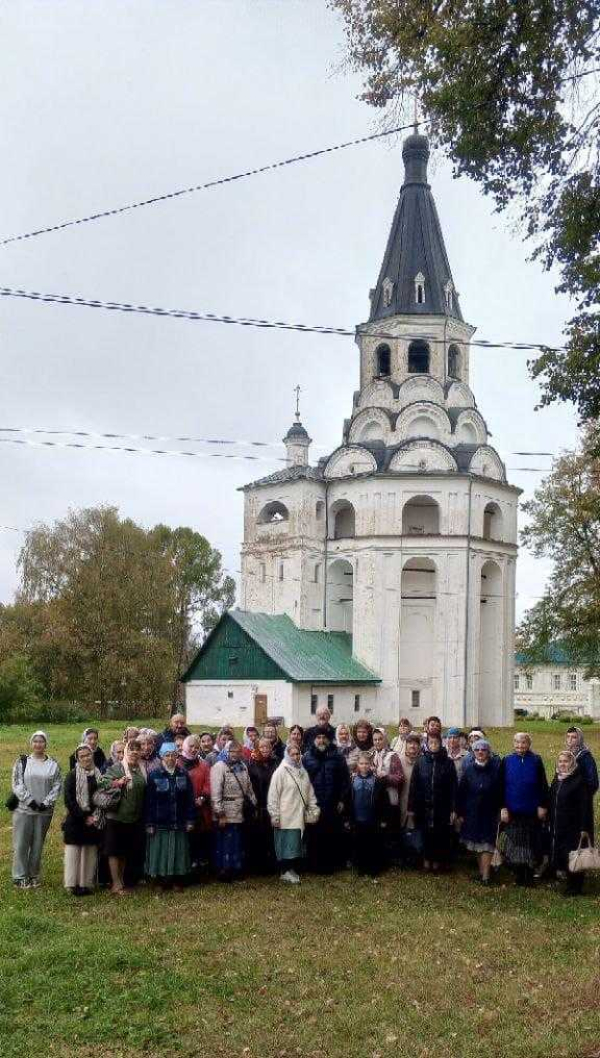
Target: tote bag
(584, 858)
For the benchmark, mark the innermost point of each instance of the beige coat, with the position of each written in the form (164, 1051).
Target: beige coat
(227, 799)
(291, 802)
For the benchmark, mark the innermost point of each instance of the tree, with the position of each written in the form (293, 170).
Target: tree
(510, 92)
(19, 687)
(115, 606)
(201, 592)
(564, 525)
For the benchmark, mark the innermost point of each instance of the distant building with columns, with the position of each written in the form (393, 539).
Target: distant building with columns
(401, 544)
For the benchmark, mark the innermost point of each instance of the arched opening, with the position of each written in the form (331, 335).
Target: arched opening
(273, 513)
(421, 517)
(423, 426)
(492, 522)
(371, 431)
(418, 358)
(454, 362)
(344, 520)
(417, 635)
(467, 434)
(491, 645)
(340, 596)
(383, 357)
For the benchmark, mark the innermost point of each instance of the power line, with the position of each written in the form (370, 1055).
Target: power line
(270, 167)
(139, 451)
(243, 321)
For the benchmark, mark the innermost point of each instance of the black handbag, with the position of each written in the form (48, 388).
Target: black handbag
(12, 801)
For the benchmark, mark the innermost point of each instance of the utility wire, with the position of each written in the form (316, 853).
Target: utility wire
(242, 321)
(270, 167)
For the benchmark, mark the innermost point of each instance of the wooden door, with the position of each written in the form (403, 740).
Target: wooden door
(260, 709)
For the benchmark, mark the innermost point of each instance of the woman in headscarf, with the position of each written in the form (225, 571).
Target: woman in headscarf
(571, 818)
(587, 765)
(117, 752)
(230, 791)
(224, 735)
(387, 767)
(250, 743)
(404, 730)
(431, 803)
(80, 830)
(149, 758)
(124, 838)
(91, 738)
(478, 806)
(292, 805)
(130, 734)
(199, 774)
(36, 784)
(259, 837)
(362, 735)
(524, 800)
(170, 817)
(343, 740)
(457, 754)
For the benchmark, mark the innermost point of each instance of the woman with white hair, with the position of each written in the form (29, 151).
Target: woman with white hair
(524, 800)
(36, 785)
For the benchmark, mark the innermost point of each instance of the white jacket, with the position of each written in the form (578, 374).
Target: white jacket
(291, 802)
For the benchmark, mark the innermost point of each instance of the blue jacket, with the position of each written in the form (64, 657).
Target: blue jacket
(328, 772)
(169, 799)
(478, 801)
(523, 783)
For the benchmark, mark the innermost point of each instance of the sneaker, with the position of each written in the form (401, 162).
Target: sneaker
(34, 883)
(294, 877)
(290, 877)
(22, 883)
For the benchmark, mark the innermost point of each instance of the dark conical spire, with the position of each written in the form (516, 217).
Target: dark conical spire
(415, 276)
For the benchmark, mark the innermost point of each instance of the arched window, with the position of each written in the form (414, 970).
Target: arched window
(273, 513)
(320, 510)
(492, 522)
(449, 293)
(421, 517)
(384, 360)
(344, 520)
(420, 288)
(454, 362)
(418, 358)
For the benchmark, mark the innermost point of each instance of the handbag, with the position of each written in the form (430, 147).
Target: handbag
(248, 809)
(497, 857)
(12, 801)
(584, 858)
(107, 800)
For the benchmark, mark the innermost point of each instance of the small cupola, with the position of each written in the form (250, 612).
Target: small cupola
(296, 441)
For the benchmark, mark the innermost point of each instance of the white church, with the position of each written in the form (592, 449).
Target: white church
(380, 581)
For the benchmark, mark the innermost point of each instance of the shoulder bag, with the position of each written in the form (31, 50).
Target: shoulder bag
(584, 858)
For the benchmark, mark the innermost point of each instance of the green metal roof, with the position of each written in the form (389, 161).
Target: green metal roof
(552, 654)
(302, 656)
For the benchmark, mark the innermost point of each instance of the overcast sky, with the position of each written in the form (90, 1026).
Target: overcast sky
(108, 102)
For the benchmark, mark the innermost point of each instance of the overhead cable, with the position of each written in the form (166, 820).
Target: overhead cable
(269, 167)
(244, 321)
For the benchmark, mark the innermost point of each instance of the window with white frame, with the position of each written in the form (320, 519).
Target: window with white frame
(330, 703)
(556, 681)
(517, 681)
(415, 699)
(573, 681)
(314, 701)
(529, 681)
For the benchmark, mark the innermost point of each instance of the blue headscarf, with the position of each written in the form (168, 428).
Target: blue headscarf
(167, 747)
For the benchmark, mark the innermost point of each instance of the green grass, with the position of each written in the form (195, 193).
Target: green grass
(407, 966)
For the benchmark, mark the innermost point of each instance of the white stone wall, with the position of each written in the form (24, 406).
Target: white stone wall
(216, 702)
(537, 692)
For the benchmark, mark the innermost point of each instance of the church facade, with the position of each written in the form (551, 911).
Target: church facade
(404, 538)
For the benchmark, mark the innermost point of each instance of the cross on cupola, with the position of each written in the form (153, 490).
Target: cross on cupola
(296, 440)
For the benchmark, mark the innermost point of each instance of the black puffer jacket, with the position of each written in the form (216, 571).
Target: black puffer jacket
(261, 773)
(433, 787)
(328, 772)
(570, 814)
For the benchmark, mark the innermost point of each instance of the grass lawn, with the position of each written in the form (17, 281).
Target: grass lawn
(409, 965)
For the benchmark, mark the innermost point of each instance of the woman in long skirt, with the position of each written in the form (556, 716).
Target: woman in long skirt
(291, 805)
(478, 806)
(524, 798)
(230, 791)
(570, 818)
(81, 833)
(170, 817)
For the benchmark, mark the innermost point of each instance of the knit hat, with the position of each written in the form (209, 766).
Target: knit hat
(453, 732)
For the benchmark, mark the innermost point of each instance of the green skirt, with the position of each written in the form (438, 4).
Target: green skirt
(167, 854)
(288, 844)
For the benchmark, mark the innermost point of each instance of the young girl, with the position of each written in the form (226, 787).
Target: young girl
(369, 797)
(291, 805)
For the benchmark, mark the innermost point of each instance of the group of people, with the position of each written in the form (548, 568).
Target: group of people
(176, 807)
